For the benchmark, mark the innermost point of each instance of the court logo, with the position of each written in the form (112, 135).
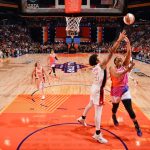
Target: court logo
(70, 67)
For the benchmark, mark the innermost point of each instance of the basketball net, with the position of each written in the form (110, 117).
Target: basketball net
(73, 26)
(73, 23)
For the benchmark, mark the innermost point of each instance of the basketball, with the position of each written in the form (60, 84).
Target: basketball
(129, 19)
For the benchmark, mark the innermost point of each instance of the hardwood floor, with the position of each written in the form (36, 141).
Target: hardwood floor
(15, 75)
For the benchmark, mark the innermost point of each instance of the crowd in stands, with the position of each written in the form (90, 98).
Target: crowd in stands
(15, 40)
(139, 35)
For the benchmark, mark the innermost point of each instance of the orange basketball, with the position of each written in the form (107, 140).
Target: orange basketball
(129, 19)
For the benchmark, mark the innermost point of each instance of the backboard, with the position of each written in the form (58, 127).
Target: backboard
(89, 7)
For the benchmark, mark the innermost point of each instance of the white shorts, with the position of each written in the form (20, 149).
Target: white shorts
(53, 65)
(116, 99)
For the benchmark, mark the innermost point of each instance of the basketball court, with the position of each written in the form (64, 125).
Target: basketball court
(29, 123)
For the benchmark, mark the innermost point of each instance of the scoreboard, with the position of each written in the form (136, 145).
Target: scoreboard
(88, 8)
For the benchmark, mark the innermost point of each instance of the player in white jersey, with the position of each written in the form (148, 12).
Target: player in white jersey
(97, 89)
(39, 75)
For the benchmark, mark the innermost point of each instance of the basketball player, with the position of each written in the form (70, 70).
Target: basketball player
(120, 89)
(39, 75)
(52, 62)
(97, 89)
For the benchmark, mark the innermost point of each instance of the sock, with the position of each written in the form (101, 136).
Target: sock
(98, 132)
(115, 120)
(136, 124)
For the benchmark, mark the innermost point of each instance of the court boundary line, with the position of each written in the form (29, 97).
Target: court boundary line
(5, 107)
(61, 124)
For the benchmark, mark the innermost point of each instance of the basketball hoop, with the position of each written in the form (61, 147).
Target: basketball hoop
(73, 24)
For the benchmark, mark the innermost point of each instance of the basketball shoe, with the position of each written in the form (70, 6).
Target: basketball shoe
(82, 121)
(43, 97)
(137, 128)
(100, 138)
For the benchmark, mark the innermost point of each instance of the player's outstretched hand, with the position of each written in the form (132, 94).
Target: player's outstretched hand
(122, 35)
(126, 40)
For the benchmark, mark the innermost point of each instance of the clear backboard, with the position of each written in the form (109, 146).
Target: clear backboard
(89, 7)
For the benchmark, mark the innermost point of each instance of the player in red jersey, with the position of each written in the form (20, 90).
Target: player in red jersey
(52, 62)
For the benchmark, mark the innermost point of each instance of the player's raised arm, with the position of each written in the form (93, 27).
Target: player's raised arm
(113, 49)
(128, 55)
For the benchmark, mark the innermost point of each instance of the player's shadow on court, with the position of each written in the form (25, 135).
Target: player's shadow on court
(82, 130)
(85, 132)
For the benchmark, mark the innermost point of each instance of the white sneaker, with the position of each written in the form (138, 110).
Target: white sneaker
(82, 121)
(100, 138)
(43, 97)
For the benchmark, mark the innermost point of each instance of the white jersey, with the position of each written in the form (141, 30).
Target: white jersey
(98, 76)
(39, 73)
